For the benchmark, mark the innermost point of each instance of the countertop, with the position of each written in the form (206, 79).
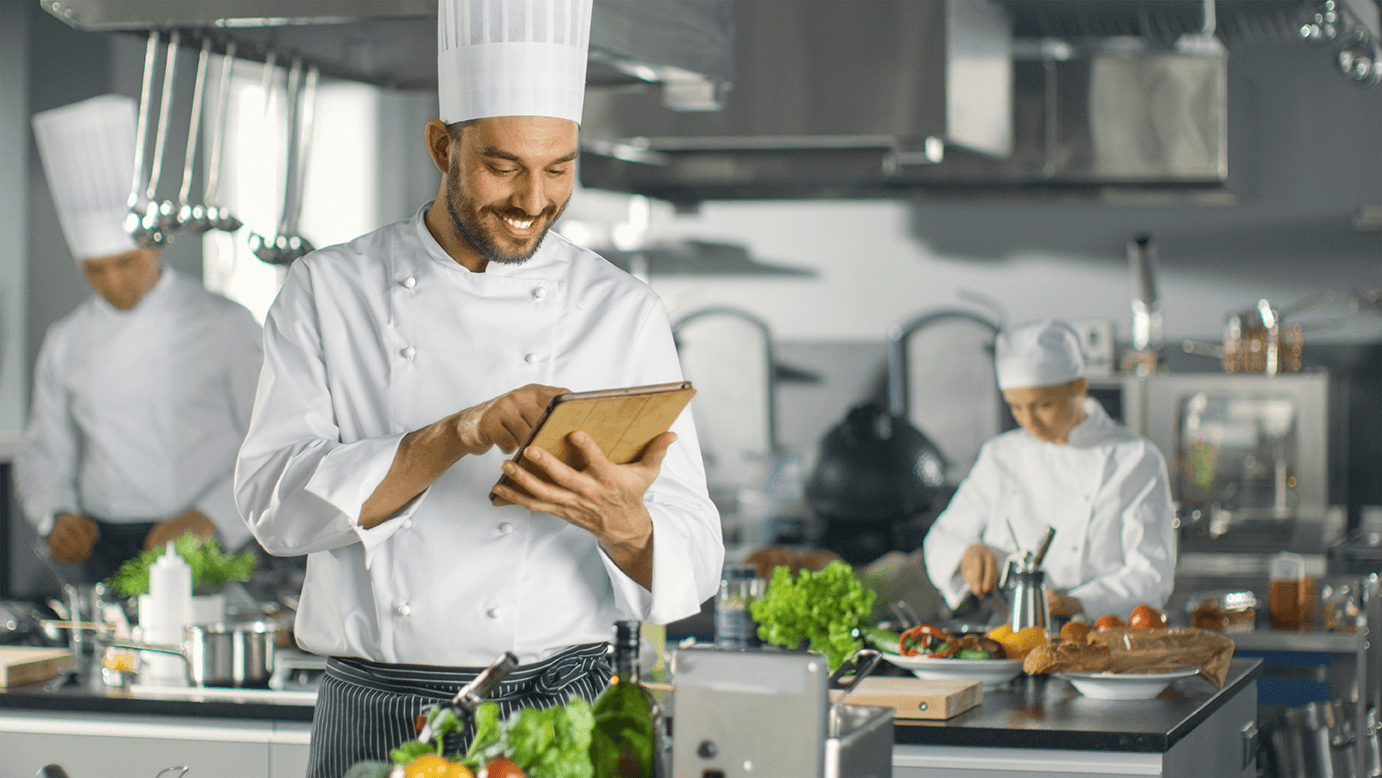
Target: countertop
(1031, 712)
(1046, 712)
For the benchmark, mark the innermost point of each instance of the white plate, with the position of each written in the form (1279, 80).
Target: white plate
(1124, 686)
(991, 673)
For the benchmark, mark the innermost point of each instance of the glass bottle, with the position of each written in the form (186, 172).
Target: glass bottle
(734, 625)
(628, 739)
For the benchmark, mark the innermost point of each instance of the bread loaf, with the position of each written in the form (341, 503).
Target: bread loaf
(1068, 655)
(1162, 650)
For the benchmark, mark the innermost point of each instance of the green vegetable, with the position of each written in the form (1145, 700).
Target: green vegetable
(884, 640)
(973, 653)
(211, 567)
(546, 742)
(825, 608)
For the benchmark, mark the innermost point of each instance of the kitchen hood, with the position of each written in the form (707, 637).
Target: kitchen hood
(683, 45)
(892, 98)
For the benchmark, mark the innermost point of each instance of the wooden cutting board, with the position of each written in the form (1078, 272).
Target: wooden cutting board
(914, 698)
(31, 664)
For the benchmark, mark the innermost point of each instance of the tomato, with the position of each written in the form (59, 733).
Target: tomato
(502, 768)
(433, 766)
(1145, 616)
(1108, 621)
(1075, 632)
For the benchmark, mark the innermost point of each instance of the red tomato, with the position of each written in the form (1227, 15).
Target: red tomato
(1075, 632)
(1108, 621)
(502, 768)
(1145, 616)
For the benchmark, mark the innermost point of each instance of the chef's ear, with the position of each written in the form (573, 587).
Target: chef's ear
(439, 142)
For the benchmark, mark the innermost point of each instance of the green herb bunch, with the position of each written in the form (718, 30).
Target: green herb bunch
(545, 742)
(825, 608)
(211, 567)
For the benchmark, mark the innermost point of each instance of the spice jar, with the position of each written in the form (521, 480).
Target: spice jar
(734, 626)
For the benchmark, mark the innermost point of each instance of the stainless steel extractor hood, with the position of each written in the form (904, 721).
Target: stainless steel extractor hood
(683, 45)
(842, 99)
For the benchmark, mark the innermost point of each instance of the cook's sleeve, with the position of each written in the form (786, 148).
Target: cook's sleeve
(1141, 534)
(299, 488)
(961, 525)
(45, 466)
(688, 543)
(242, 355)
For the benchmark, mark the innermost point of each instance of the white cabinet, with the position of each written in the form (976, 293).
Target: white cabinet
(89, 745)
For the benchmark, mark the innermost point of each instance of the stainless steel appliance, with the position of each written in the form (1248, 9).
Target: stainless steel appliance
(749, 713)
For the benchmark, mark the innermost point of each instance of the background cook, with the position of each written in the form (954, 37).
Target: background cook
(1069, 466)
(143, 393)
(398, 369)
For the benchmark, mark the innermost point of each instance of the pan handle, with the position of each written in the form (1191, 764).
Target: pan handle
(134, 645)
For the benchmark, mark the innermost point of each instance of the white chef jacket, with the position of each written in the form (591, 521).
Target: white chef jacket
(1107, 495)
(372, 339)
(137, 415)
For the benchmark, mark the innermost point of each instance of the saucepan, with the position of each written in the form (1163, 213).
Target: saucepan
(225, 655)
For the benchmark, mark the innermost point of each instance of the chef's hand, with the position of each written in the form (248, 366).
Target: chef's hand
(72, 538)
(424, 454)
(979, 568)
(1058, 604)
(504, 421)
(193, 521)
(602, 497)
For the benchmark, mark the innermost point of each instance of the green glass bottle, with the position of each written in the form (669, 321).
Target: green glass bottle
(628, 738)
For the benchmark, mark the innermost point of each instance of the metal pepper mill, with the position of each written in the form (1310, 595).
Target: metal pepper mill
(1026, 585)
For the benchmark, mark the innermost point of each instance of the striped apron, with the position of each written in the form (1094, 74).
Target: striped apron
(365, 709)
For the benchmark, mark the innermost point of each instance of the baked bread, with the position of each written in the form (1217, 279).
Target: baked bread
(1068, 656)
(1161, 650)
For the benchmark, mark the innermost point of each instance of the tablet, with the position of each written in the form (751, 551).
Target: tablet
(621, 421)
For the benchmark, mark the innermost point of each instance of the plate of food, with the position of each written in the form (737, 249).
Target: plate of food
(990, 673)
(1124, 686)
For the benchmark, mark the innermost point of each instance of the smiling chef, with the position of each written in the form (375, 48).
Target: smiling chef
(399, 370)
(142, 394)
(1069, 466)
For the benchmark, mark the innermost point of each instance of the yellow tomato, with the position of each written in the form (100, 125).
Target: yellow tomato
(1000, 632)
(433, 766)
(1017, 645)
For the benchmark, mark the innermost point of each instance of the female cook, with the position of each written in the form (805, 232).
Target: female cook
(1102, 488)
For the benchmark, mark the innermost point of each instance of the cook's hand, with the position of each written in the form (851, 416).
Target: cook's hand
(1058, 604)
(193, 521)
(72, 538)
(979, 568)
(504, 421)
(604, 498)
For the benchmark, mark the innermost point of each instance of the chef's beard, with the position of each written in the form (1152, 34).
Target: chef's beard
(468, 218)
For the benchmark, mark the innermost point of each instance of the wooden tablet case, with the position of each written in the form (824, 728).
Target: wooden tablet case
(622, 422)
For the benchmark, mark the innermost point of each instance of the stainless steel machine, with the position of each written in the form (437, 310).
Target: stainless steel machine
(746, 714)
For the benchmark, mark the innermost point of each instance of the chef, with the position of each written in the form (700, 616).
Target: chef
(1101, 487)
(143, 393)
(402, 367)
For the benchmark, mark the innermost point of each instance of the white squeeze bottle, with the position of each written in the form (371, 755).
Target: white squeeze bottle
(164, 614)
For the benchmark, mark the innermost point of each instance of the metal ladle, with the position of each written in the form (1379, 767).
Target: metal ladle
(286, 245)
(163, 213)
(189, 216)
(219, 217)
(141, 222)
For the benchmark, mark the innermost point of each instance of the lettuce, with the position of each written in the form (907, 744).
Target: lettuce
(825, 609)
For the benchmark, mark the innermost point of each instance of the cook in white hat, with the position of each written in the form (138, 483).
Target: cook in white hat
(1067, 466)
(401, 367)
(142, 394)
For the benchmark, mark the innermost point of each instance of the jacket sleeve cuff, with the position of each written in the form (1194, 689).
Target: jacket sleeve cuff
(348, 475)
(673, 595)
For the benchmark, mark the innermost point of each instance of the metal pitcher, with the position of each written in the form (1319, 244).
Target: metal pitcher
(1027, 598)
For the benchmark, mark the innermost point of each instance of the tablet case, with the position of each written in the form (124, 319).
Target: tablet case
(621, 421)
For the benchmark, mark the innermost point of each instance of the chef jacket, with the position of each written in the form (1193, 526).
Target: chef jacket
(137, 415)
(372, 339)
(1106, 494)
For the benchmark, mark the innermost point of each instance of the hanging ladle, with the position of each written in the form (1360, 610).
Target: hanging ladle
(219, 217)
(286, 245)
(193, 217)
(141, 222)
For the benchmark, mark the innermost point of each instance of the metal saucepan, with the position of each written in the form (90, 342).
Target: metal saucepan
(233, 655)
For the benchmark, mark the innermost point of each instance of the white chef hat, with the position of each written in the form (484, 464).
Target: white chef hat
(512, 58)
(87, 150)
(1039, 353)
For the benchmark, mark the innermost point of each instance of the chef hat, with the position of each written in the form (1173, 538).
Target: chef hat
(1039, 353)
(512, 58)
(87, 150)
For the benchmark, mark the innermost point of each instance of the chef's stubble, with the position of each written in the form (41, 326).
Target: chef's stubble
(467, 216)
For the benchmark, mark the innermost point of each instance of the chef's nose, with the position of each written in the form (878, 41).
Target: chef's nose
(531, 195)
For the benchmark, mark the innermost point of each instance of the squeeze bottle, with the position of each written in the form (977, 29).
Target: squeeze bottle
(164, 614)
